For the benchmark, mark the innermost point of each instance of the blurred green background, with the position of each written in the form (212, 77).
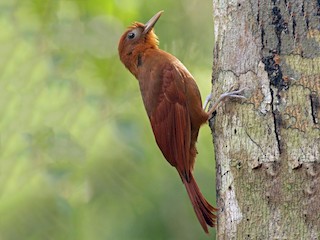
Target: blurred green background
(78, 158)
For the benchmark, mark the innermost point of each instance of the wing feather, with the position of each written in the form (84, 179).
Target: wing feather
(170, 121)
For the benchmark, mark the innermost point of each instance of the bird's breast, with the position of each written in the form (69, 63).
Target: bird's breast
(150, 85)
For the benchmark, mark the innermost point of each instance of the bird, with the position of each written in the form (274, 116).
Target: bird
(173, 104)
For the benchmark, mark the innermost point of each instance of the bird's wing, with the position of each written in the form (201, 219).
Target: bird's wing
(170, 120)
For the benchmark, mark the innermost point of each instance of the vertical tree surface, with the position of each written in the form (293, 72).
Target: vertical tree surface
(268, 146)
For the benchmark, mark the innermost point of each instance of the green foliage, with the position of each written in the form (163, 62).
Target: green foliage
(77, 156)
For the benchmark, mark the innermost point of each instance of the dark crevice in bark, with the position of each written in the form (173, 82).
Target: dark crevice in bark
(262, 37)
(294, 24)
(302, 9)
(276, 120)
(280, 25)
(315, 104)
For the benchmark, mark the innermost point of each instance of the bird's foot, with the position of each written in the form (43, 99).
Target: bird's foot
(223, 97)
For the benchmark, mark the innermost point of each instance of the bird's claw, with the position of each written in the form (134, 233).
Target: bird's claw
(235, 94)
(206, 102)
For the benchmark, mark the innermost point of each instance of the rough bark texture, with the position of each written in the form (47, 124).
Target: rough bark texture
(268, 146)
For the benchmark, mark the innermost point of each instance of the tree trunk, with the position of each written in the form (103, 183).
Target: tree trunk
(268, 146)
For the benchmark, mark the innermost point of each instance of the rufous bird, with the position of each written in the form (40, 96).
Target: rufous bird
(173, 104)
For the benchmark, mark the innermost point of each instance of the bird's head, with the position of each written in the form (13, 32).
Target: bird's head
(137, 38)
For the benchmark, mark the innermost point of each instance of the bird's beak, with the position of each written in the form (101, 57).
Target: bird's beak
(149, 25)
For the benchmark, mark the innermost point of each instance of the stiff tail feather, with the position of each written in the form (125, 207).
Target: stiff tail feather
(203, 209)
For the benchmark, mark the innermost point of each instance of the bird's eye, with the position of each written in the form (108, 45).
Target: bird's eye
(131, 35)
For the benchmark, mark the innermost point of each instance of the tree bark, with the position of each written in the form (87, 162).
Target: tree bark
(268, 146)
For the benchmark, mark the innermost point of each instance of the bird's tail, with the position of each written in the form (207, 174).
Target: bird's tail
(203, 209)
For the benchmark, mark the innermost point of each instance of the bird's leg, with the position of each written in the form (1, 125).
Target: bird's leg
(223, 97)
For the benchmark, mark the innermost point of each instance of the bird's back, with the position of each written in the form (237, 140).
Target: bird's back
(157, 69)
